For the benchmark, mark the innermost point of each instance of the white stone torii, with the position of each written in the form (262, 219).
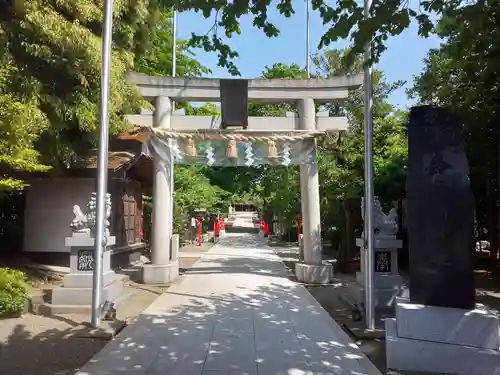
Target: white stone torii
(304, 92)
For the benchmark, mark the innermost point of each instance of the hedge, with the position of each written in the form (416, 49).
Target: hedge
(13, 291)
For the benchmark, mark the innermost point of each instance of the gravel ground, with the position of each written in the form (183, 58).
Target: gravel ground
(42, 345)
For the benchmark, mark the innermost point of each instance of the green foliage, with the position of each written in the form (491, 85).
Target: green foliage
(157, 61)
(50, 61)
(340, 159)
(277, 71)
(50, 65)
(61, 62)
(281, 192)
(20, 126)
(234, 184)
(207, 109)
(345, 20)
(13, 291)
(194, 190)
(347, 153)
(463, 75)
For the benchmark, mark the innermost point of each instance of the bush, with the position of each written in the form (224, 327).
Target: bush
(13, 291)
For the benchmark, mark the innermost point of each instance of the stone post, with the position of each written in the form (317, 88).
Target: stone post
(163, 269)
(312, 269)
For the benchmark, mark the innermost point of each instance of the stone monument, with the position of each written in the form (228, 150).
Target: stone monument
(387, 279)
(75, 294)
(439, 328)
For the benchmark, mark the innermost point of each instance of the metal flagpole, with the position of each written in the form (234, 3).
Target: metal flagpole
(174, 42)
(308, 40)
(102, 165)
(369, 239)
(174, 69)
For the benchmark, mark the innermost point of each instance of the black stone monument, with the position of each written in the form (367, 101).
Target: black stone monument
(440, 211)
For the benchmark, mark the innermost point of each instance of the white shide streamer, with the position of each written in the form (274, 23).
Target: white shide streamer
(286, 154)
(249, 154)
(176, 151)
(210, 154)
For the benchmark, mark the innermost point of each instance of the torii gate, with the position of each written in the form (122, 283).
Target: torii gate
(292, 129)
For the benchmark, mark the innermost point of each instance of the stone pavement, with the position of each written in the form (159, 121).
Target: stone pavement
(236, 312)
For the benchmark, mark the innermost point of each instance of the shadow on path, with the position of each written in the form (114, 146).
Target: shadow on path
(246, 319)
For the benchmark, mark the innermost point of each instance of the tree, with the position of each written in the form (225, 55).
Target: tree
(20, 125)
(50, 61)
(157, 61)
(463, 75)
(50, 77)
(341, 159)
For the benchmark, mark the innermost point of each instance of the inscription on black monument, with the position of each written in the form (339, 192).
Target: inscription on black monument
(86, 260)
(440, 211)
(383, 261)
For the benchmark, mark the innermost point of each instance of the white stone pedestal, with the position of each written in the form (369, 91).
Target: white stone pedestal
(314, 273)
(443, 340)
(75, 294)
(387, 279)
(163, 273)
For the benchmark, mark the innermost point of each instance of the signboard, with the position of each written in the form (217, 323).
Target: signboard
(86, 260)
(383, 261)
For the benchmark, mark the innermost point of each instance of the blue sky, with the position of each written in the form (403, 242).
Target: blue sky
(401, 61)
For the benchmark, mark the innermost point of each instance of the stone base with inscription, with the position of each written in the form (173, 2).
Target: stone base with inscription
(387, 279)
(424, 338)
(75, 294)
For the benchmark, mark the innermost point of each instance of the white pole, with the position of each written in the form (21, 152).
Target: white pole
(369, 240)
(308, 40)
(174, 42)
(102, 165)
(174, 69)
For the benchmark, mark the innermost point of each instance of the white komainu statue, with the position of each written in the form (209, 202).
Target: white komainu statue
(85, 223)
(382, 224)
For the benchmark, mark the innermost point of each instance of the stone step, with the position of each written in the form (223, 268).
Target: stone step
(41, 301)
(48, 309)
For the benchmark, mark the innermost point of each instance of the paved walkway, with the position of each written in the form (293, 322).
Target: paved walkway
(236, 312)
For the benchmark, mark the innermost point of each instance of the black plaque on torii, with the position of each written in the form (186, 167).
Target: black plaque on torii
(234, 103)
(440, 211)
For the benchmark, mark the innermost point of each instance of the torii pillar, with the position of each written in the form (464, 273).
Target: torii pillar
(312, 269)
(164, 267)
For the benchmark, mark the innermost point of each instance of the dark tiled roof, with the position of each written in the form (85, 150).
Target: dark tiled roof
(116, 160)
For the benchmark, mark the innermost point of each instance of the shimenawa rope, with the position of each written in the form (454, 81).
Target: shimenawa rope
(229, 135)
